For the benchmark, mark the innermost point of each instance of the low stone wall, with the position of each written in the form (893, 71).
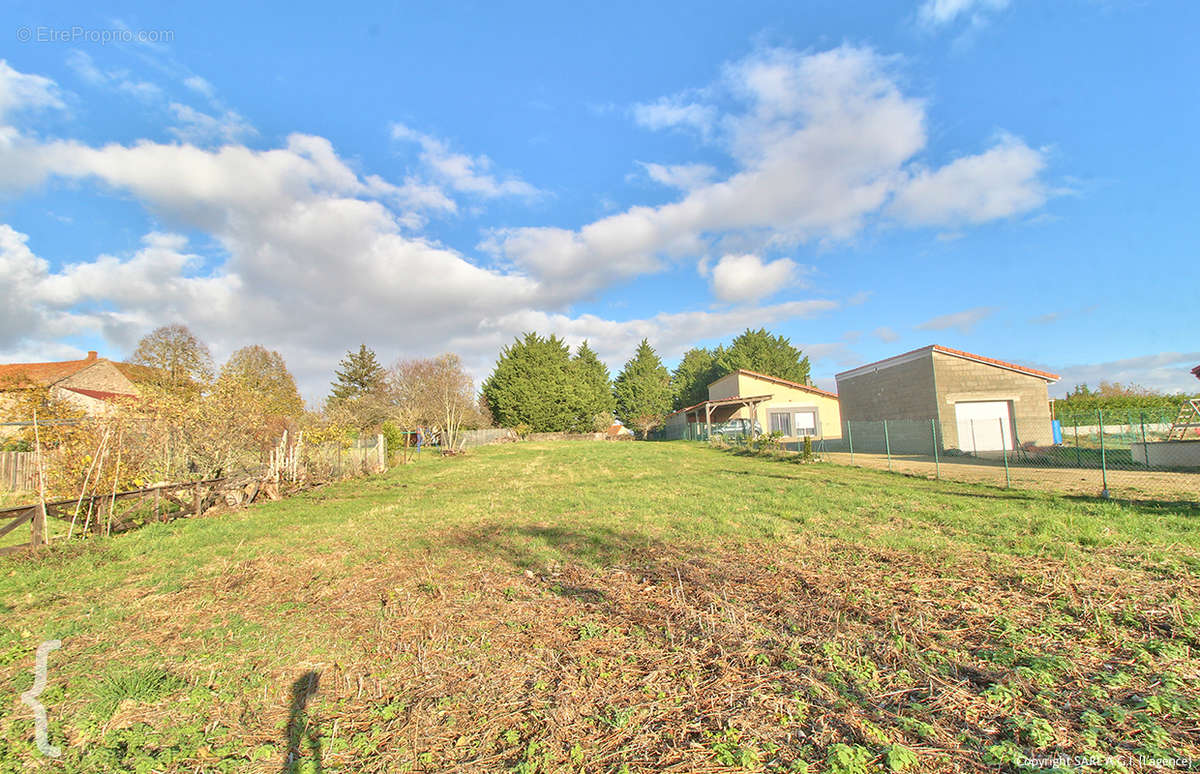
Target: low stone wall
(1167, 454)
(491, 435)
(487, 435)
(567, 437)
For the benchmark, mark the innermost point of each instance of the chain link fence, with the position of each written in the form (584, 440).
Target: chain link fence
(1125, 455)
(1130, 458)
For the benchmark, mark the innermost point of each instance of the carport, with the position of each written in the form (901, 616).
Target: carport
(722, 410)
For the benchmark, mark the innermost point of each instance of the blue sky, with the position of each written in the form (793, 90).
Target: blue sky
(1012, 178)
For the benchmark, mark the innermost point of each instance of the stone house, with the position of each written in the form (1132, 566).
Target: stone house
(94, 384)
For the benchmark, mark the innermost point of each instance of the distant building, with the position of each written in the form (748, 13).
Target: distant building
(977, 403)
(93, 384)
(618, 430)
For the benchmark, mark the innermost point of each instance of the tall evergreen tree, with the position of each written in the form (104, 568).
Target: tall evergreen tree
(359, 375)
(690, 379)
(643, 390)
(771, 355)
(593, 390)
(532, 385)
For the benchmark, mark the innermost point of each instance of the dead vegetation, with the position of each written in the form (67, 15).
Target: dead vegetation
(738, 661)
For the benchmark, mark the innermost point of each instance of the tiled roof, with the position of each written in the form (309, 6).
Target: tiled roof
(16, 375)
(30, 374)
(1196, 372)
(960, 353)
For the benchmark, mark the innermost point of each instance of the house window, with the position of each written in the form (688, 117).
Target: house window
(806, 423)
(793, 423)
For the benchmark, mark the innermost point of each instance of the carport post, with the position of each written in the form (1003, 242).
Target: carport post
(1103, 457)
(888, 445)
(937, 465)
(850, 437)
(1007, 477)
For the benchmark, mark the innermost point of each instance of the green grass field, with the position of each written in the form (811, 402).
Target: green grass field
(616, 607)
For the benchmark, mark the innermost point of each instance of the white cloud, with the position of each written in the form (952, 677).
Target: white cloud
(201, 128)
(675, 112)
(742, 278)
(938, 13)
(963, 321)
(119, 80)
(310, 257)
(685, 177)
(998, 183)
(823, 143)
(1165, 371)
(468, 174)
(23, 91)
(671, 333)
(837, 353)
(886, 334)
(200, 86)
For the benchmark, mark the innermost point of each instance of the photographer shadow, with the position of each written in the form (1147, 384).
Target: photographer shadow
(303, 731)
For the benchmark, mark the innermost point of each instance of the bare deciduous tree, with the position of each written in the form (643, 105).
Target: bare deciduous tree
(436, 392)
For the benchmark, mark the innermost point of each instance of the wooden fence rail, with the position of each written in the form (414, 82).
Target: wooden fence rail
(18, 471)
(102, 512)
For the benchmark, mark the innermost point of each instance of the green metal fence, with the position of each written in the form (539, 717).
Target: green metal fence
(1125, 456)
(1129, 457)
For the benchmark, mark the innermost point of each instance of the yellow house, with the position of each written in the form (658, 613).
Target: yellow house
(760, 404)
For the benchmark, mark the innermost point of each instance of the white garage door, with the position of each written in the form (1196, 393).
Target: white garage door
(984, 425)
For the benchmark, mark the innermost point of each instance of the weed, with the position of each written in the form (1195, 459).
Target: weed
(848, 759)
(139, 684)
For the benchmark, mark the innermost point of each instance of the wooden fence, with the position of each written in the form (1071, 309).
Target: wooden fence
(18, 471)
(106, 513)
(296, 466)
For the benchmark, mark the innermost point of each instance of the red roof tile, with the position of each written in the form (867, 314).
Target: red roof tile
(30, 374)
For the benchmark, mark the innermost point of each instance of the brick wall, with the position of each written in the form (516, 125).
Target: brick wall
(966, 380)
(904, 391)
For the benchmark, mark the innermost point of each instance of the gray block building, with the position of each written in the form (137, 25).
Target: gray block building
(975, 403)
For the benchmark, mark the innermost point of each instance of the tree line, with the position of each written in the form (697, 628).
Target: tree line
(1123, 399)
(193, 419)
(539, 385)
